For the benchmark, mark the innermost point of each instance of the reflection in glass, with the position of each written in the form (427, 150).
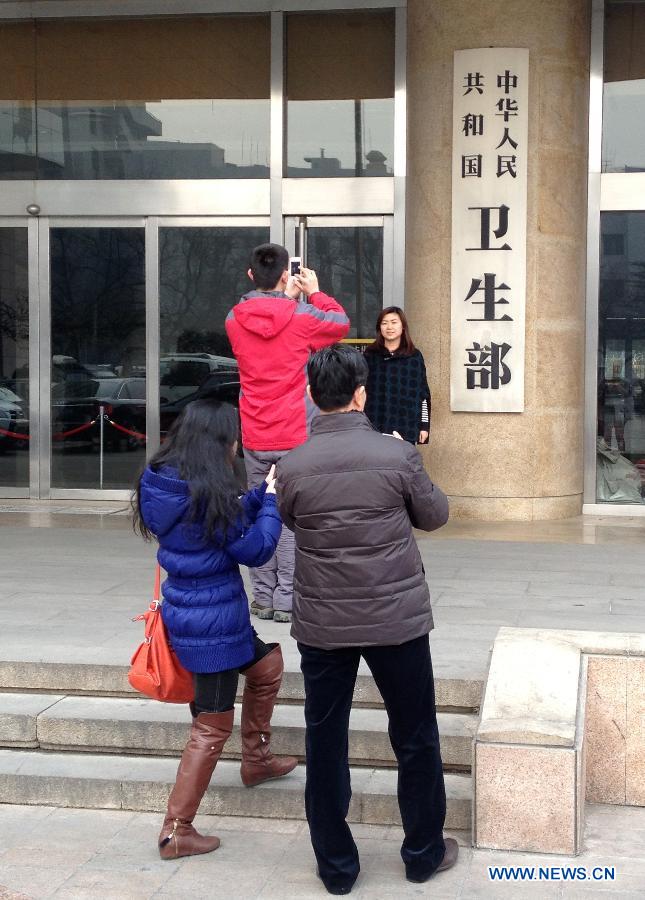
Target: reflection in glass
(202, 275)
(163, 140)
(340, 114)
(621, 359)
(17, 140)
(623, 125)
(154, 98)
(139, 99)
(340, 138)
(98, 410)
(14, 359)
(18, 137)
(349, 263)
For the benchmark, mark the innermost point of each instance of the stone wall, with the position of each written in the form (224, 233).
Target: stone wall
(515, 466)
(615, 730)
(562, 722)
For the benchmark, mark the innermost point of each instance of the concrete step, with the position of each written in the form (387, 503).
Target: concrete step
(138, 726)
(94, 781)
(459, 694)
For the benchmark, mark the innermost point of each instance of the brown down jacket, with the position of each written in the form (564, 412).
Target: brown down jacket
(352, 497)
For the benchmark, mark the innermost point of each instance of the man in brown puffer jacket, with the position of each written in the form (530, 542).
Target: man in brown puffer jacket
(352, 497)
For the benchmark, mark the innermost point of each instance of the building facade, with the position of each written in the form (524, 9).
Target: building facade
(146, 146)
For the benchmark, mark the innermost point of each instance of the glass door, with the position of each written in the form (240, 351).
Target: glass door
(620, 434)
(93, 356)
(352, 256)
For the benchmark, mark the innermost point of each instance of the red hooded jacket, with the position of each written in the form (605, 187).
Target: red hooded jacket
(272, 337)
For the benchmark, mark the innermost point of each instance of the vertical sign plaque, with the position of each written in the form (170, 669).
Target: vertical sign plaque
(489, 206)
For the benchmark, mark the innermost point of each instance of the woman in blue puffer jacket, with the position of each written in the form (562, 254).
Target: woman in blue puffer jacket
(188, 499)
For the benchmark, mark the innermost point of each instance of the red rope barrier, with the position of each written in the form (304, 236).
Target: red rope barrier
(64, 434)
(137, 434)
(14, 434)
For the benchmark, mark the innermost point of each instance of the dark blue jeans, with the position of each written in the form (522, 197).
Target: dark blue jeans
(403, 675)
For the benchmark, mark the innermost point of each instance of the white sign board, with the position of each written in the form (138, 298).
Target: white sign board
(489, 199)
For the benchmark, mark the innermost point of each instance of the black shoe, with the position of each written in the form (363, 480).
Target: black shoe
(337, 889)
(448, 861)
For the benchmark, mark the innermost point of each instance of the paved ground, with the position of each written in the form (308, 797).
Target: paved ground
(71, 583)
(78, 854)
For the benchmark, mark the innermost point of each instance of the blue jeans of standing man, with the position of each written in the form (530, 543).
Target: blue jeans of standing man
(403, 675)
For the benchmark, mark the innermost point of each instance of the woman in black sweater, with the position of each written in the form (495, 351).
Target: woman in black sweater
(398, 396)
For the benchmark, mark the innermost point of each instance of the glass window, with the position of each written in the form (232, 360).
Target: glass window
(351, 258)
(17, 101)
(623, 130)
(14, 358)
(620, 469)
(98, 348)
(202, 275)
(340, 109)
(139, 98)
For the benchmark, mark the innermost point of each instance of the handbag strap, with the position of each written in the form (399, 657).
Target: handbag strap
(154, 604)
(157, 591)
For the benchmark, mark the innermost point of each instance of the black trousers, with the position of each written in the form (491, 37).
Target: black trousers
(215, 691)
(403, 675)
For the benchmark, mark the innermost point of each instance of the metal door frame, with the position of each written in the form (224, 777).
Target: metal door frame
(293, 223)
(31, 225)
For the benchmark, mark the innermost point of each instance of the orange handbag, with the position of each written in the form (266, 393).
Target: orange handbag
(154, 668)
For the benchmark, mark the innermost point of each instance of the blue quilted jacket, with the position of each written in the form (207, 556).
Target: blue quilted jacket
(205, 608)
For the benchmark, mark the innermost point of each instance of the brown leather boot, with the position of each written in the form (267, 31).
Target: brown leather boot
(262, 685)
(208, 734)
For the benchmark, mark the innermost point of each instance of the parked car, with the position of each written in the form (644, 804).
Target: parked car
(213, 386)
(182, 374)
(12, 418)
(101, 370)
(77, 403)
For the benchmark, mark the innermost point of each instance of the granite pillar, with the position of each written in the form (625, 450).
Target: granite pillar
(518, 465)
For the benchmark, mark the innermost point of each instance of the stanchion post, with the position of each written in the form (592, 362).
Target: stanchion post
(101, 427)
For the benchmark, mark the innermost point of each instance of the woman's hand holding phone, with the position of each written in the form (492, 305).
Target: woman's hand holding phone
(270, 480)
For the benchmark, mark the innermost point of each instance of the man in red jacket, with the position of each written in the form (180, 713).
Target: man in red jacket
(272, 334)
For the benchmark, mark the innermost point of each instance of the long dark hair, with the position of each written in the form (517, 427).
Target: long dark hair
(199, 445)
(406, 347)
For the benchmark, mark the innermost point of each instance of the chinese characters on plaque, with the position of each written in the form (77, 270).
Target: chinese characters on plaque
(489, 195)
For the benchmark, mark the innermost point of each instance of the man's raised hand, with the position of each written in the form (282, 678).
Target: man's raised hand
(307, 280)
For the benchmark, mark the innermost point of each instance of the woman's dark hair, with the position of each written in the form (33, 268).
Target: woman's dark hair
(199, 445)
(268, 262)
(406, 347)
(334, 374)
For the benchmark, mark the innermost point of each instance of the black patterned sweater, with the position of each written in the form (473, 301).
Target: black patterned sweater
(398, 396)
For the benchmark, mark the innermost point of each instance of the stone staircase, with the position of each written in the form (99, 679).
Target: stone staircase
(78, 736)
